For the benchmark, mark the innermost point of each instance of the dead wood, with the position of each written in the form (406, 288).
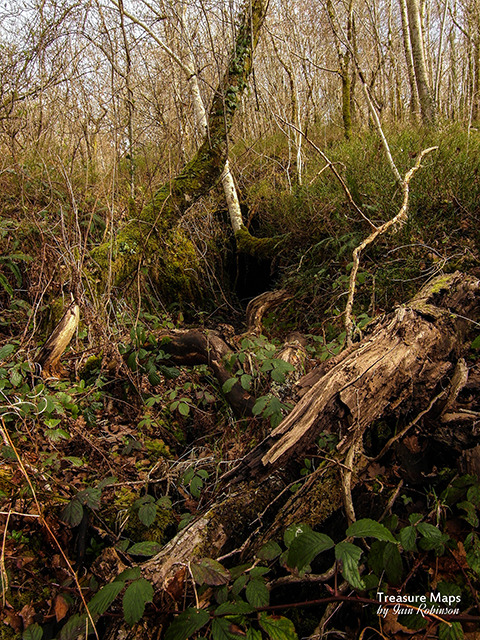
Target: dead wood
(396, 370)
(54, 347)
(403, 369)
(193, 347)
(259, 306)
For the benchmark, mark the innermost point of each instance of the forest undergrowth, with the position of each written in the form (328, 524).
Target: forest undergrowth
(105, 460)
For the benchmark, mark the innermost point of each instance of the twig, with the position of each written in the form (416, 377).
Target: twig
(332, 167)
(395, 221)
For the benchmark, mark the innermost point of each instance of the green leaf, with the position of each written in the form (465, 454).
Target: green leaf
(223, 629)
(305, 547)
(239, 583)
(260, 405)
(476, 343)
(104, 598)
(210, 572)
(57, 435)
(136, 596)
(348, 555)
(15, 378)
(408, 536)
(245, 381)
(228, 385)
(367, 528)
(90, 497)
(452, 631)
(393, 563)
(6, 350)
(196, 486)
(293, 531)
(6, 285)
(186, 624)
(470, 513)
(154, 378)
(257, 593)
(132, 573)
(375, 557)
(74, 628)
(269, 551)
(72, 514)
(147, 548)
(74, 461)
(278, 627)
(147, 513)
(472, 548)
(33, 632)
(473, 495)
(253, 634)
(433, 538)
(258, 572)
(183, 408)
(233, 608)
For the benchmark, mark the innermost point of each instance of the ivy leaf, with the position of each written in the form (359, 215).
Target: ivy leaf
(186, 624)
(348, 555)
(278, 627)
(367, 528)
(104, 598)
(72, 514)
(147, 513)
(147, 548)
(257, 593)
(210, 572)
(136, 596)
(305, 547)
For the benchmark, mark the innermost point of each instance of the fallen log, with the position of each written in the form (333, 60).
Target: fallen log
(403, 369)
(396, 370)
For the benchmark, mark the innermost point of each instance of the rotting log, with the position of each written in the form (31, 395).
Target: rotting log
(260, 305)
(52, 350)
(404, 368)
(405, 360)
(194, 347)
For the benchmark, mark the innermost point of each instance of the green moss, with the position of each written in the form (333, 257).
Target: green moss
(258, 247)
(157, 449)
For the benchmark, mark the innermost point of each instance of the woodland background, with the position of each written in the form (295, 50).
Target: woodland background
(153, 435)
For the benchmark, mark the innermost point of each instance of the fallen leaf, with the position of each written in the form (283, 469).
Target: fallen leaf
(61, 608)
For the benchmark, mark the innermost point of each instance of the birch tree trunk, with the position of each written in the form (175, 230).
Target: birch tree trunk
(427, 105)
(414, 102)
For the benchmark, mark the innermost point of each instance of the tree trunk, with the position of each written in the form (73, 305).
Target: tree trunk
(427, 105)
(149, 239)
(414, 102)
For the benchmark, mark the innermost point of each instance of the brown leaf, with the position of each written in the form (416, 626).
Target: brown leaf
(13, 620)
(27, 614)
(61, 608)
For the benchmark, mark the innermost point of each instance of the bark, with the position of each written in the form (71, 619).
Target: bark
(52, 350)
(149, 239)
(414, 101)
(196, 347)
(393, 372)
(427, 105)
(259, 306)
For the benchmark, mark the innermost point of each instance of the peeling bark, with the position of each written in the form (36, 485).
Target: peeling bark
(54, 347)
